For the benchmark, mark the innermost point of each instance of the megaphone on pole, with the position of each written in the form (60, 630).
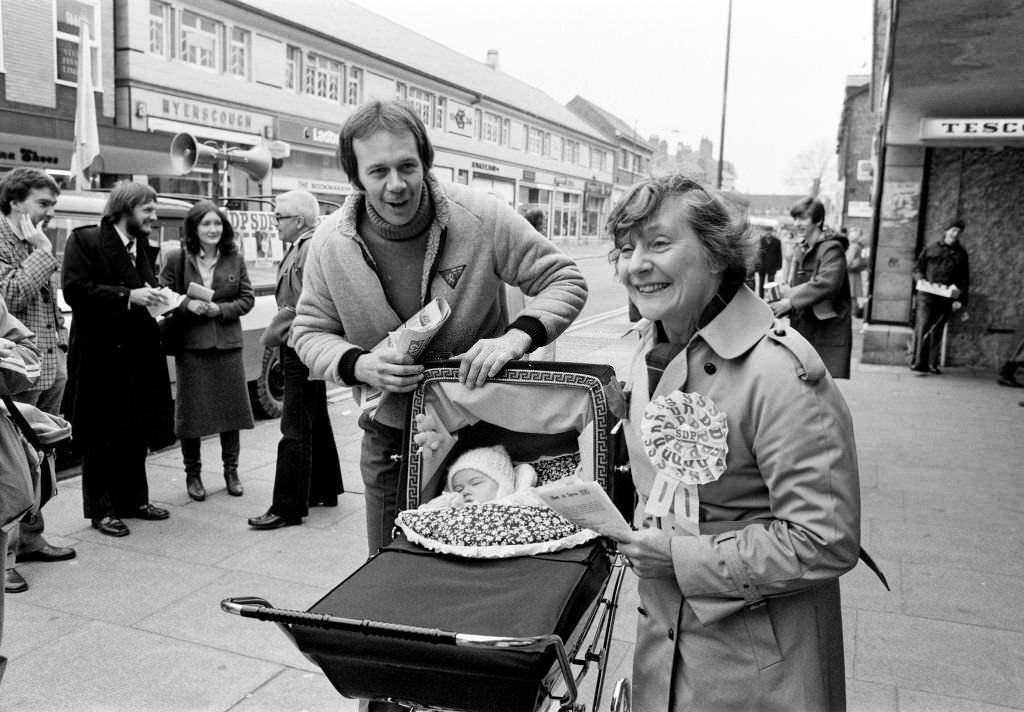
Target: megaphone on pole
(187, 153)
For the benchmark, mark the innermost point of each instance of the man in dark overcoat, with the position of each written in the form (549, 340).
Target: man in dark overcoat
(118, 397)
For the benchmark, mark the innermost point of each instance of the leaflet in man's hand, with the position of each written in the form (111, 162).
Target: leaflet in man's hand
(171, 300)
(410, 338)
(942, 290)
(586, 505)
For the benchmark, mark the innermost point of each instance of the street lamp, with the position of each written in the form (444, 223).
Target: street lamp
(725, 95)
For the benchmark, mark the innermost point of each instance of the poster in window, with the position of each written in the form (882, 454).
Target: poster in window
(67, 61)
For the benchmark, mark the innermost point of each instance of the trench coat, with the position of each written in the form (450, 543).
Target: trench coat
(118, 384)
(820, 295)
(751, 618)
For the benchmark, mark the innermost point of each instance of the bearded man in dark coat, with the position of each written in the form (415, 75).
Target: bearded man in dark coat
(118, 396)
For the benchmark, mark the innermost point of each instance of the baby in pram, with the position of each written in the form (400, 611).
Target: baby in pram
(486, 474)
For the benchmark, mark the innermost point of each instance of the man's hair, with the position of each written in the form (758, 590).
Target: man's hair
(125, 196)
(958, 223)
(535, 216)
(809, 208)
(195, 215)
(16, 185)
(374, 116)
(724, 231)
(300, 202)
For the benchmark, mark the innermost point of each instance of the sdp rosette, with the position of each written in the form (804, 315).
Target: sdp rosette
(685, 437)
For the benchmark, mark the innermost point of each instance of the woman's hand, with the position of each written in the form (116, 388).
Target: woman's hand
(781, 307)
(648, 552)
(212, 309)
(196, 307)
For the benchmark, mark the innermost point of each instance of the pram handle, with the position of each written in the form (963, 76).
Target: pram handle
(259, 608)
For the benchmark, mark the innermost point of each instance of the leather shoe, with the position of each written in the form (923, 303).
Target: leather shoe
(194, 487)
(325, 502)
(111, 526)
(935, 370)
(1009, 382)
(14, 582)
(272, 521)
(147, 511)
(48, 553)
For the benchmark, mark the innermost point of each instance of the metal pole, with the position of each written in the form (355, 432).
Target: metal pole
(725, 96)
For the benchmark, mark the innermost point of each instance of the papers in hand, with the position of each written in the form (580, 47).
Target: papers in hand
(410, 338)
(172, 300)
(942, 290)
(198, 291)
(586, 505)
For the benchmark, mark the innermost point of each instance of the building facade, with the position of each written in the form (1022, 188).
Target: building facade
(236, 75)
(950, 144)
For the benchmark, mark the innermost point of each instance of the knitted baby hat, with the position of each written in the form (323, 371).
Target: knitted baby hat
(493, 461)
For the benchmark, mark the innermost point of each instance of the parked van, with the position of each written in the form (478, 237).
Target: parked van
(262, 370)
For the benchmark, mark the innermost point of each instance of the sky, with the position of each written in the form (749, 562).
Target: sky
(659, 65)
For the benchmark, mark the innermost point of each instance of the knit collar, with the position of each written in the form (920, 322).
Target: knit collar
(417, 226)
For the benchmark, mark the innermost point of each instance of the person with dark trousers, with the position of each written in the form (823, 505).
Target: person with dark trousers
(943, 264)
(308, 470)
(1008, 371)
(769, 259)
(29, 284)
(401, 240)
(118, 397)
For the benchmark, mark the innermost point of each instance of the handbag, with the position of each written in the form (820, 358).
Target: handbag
(43, 431)
(172, 330)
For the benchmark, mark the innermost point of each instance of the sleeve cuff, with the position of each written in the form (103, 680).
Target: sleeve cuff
(533, 328)
(347, 366)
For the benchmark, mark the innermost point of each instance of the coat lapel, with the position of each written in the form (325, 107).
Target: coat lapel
(117, 256)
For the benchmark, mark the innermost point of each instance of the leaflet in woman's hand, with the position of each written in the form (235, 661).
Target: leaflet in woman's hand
(198, 291)
(586, 505)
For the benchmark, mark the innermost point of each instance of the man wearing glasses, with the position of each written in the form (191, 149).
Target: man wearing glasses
(308, 471)
(28, 283)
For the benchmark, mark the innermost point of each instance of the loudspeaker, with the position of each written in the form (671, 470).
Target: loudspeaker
(255, 161)
(186, 153)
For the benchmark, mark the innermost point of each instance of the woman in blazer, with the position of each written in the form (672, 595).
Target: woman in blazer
(212, 394)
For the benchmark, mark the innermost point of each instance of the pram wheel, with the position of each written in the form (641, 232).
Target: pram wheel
(622, 696)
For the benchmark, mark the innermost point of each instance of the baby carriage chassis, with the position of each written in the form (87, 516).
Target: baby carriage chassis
(479, 635)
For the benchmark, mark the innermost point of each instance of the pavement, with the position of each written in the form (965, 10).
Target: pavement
(134, 624)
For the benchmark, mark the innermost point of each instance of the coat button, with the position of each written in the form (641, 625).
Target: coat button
(709, 368)
(671, 634)
(780, 332)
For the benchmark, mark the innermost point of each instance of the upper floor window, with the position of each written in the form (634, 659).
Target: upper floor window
(200, 39)
(490, 127)
(322, 77)
(440, 112)
(354, 86)
(570, 151)
(535, 140)
(293, 69)
(159, 28)
(422, 103)
(597, 159)
(70, 16)
(238, 63)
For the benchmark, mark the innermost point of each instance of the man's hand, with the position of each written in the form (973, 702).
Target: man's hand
(488, 356)
(33, 234)
(147, 297)
(648, 552)
(781, 307)
(428, 436)
(956, 306)
(388, 370)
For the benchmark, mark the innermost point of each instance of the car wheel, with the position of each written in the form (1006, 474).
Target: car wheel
(267, 391)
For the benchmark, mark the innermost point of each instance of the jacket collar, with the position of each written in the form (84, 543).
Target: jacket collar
(733, 332)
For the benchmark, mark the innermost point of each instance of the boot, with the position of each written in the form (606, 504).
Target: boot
(194, 486)
(234, 486)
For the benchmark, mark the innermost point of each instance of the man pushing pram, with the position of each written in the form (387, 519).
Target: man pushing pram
(401, 240)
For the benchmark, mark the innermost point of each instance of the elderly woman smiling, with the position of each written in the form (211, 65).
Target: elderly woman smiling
(739, 592)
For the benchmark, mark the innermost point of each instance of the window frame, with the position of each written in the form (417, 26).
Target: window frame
(218, 38)
(166, 31)
(96, 28)
(312, 61)
(246, 52)
(293, 61)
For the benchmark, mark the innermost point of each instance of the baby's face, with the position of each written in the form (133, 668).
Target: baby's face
(474, 486)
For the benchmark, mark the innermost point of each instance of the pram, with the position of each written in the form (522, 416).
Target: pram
(428, 630)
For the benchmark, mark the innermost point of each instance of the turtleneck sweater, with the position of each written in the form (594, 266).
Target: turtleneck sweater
(399, 252)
